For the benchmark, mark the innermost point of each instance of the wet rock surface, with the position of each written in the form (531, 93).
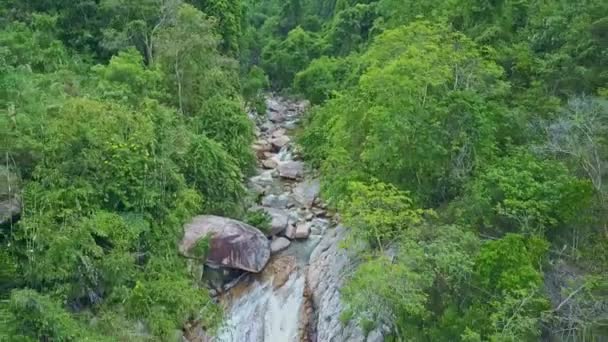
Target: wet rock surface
(292, 298)
(233, 244)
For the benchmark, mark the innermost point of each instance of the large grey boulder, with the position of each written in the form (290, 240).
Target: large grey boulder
(234, 244)
(9, 210)
(291, 169)
(328, 269)
(306, 192)
(10, 203)
(279, 219)
(279, 244)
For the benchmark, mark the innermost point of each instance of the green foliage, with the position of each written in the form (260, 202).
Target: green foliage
(113, 159)
(325, 76)
(511, 263)
(253, 87)
(378, 213)
(283, 59)
(259, 219)
(522, 193)
(32, 316)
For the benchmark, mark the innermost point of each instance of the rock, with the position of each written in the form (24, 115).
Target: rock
(319, 212)
(290, 232)
(196, 334)
(280, 268)
(279, 220)
(279, 244)
(234, 244)
(264, 179)
(10, 209)
(319, 225)
(278, 143)
(270, 164)
(268, 155)
(303, 230)
(291, 169)
(276, 110)
(274, 201)
(278, 133)
(307, 192)
(325, 277)
(260, 147)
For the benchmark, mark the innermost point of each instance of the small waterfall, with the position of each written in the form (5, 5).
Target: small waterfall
(265, 313)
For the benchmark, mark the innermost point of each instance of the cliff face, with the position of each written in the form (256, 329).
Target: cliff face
(329, 265)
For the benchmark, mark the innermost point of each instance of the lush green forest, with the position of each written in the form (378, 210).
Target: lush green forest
(463, 142)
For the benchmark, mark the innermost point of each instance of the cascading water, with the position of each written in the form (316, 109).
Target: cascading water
(269, 306)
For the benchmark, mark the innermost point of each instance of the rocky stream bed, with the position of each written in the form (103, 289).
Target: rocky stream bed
(290, 290)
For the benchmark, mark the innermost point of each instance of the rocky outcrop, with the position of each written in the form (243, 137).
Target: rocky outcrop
(291, 170)
(307, 192)
(233, 244)
(279, 244)
(329, 265)
(10, 209)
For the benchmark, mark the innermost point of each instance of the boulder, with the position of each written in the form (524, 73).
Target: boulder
(307, 192)
(279, 244)
(303, 230)
(290, 232)
(278, 143)
(234, 244)
(291, 169)
(274, 201)
(325, 277)
(278, 133)
(9, 210)
(279, 220)
(261, 147)
(270, 164)
(264, 179)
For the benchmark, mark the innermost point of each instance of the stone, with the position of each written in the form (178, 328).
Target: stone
(303, 230)
(278, 143)
(278, 133)
(307, 192)
(319, 212)
(325, 278)
(291, 169)
(264, 179)
(274, 201)
(260, 147)
(268, 155)
(279, 244)
(279, 269)
(233, 244)
(279, 219)
(290, 232)
(270, 164)
(10, 209)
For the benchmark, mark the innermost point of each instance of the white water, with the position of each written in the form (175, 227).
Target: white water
(266, 314)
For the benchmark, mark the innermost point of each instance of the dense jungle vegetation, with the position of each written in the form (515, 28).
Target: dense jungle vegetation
(463, 142)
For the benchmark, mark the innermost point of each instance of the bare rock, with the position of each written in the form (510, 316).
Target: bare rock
(325, 277)
(307, 192)
(279, 142)
(279, 244)
(290, 232)
(233, 244)
(270, 164)
(275, 201)
(291, 169)
(9, 210)
(279, 219)
(303, 230)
